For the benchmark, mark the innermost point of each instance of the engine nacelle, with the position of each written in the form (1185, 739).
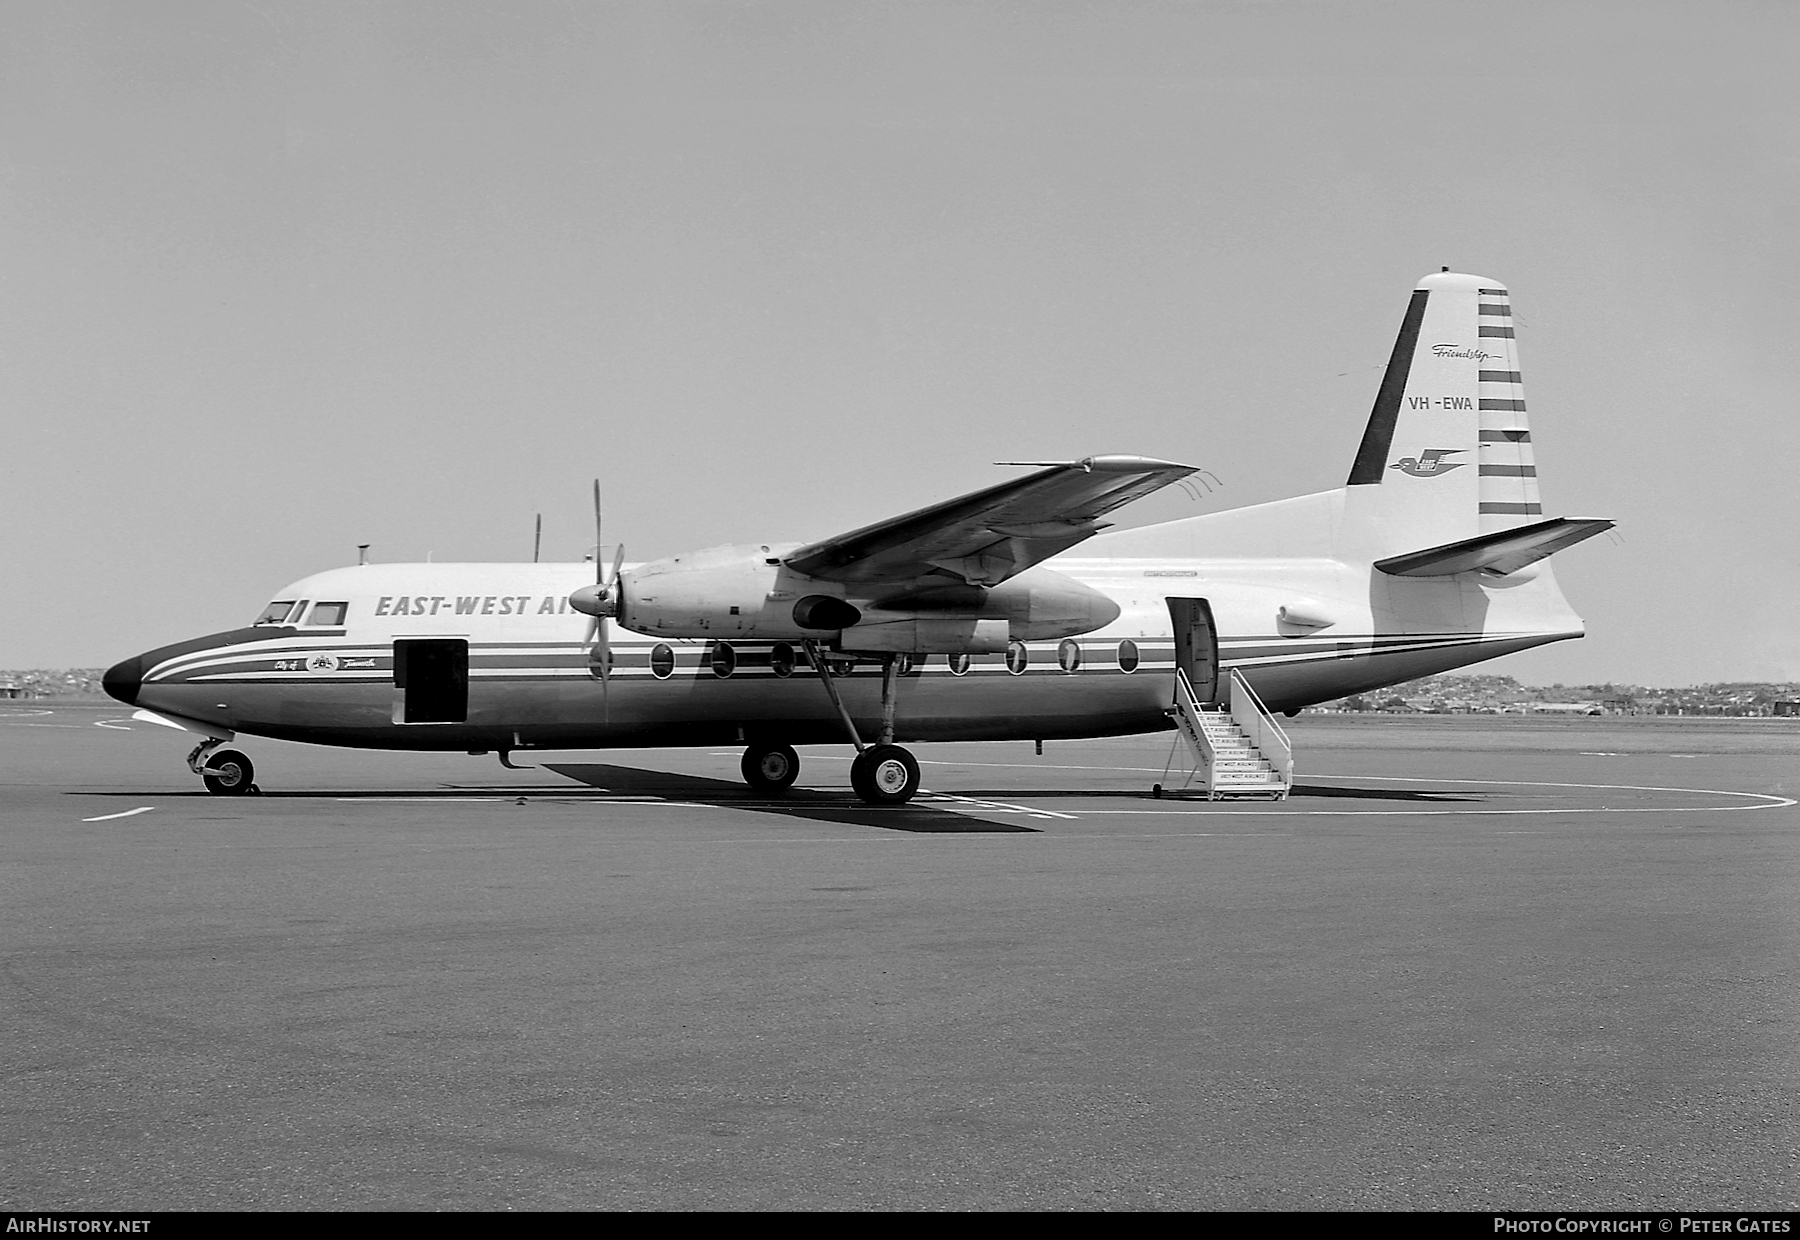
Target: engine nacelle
(728, 592)
(747, 594)
(926, 635)
(1041, 604)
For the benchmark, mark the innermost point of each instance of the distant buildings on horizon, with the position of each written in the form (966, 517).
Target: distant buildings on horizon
(1450, 694)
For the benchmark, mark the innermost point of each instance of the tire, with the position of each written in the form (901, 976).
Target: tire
(770, 769)
(885, 775)
(229, 773)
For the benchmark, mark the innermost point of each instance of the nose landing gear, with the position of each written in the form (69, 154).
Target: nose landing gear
(227, 773)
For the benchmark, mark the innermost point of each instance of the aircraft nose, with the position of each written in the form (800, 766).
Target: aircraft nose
(122, 680)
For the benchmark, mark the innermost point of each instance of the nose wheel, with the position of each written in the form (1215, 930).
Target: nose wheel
(885, 775)
(770, 769)
(229, 773)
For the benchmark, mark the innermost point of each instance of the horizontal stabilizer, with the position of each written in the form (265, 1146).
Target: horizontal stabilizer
(1506, 551)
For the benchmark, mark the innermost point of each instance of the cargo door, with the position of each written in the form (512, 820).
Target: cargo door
(431, 680)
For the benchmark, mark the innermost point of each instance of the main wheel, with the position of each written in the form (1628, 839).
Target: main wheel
(770, 769)
(885, 775)
(228, 773)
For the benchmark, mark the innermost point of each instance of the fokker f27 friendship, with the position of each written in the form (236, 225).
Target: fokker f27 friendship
(1003, 614)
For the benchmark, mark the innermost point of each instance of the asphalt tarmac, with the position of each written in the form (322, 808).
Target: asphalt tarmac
(1473, 963)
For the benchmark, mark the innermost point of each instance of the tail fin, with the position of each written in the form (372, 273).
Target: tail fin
(1446, 455)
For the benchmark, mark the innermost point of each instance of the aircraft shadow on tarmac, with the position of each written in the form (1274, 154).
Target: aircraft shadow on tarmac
(797, 803)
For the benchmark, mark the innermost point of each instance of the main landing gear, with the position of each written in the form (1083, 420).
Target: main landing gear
(882, 773)
(770, 769)
(885, 775)
(227, 773)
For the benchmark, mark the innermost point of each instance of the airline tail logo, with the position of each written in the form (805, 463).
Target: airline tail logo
(1431, 465)
(1456, 350)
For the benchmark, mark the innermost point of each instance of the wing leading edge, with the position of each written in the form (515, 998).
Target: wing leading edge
(987, 536)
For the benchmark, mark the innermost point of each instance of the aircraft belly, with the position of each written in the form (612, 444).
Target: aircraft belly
(929, 707)
(642, 711)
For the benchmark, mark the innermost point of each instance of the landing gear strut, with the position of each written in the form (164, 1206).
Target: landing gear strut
(770, 769)
(882, 773)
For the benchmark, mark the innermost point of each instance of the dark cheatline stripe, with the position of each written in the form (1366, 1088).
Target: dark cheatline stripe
(1505, 436)
(1509, 471)
(1517, 406)
(1371, 457)
(1499, 376)
(1505, 311)
(1529, 510)
(1506, 333)
(1492, 292)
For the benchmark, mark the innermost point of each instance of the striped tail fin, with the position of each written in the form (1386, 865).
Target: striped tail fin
(1508, 488)
(1446, 455)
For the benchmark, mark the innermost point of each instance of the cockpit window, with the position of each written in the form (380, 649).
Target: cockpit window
(330, 614)
(277, 612)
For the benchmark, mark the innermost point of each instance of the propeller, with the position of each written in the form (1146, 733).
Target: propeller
(600, 600)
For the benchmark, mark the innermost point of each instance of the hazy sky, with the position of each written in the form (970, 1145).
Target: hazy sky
(279, 278)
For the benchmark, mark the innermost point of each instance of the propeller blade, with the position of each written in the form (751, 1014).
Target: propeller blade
(598, 580)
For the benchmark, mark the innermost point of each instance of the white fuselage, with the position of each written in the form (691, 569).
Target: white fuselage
(1305, 619)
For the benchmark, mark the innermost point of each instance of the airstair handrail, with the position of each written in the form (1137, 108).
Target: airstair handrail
(1188, 706)
(1249, 713)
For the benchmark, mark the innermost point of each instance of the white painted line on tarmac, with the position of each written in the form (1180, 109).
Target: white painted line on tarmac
(565, 799)
(1002, 806)
(1451, 813)
(1771, 801)
(113, 725)
(142, 809)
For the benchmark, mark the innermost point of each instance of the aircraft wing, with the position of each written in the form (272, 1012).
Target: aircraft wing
(989, 535)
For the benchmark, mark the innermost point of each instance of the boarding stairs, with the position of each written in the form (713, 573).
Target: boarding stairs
(1238, 749)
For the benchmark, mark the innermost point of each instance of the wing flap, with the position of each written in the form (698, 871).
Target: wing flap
(1506, 551)
(990, 535)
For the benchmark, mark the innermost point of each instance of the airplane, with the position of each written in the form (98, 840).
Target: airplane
(1010, 613)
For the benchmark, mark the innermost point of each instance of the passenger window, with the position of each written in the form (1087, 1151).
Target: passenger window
(1068, 655)
(959, 665)
(330, 615)
(724, 659)
(1128, 655)
(277, 612)
(781, 659)
(1016, 658)
(662, 661)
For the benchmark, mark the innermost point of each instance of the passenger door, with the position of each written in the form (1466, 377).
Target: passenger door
(1196, 646)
